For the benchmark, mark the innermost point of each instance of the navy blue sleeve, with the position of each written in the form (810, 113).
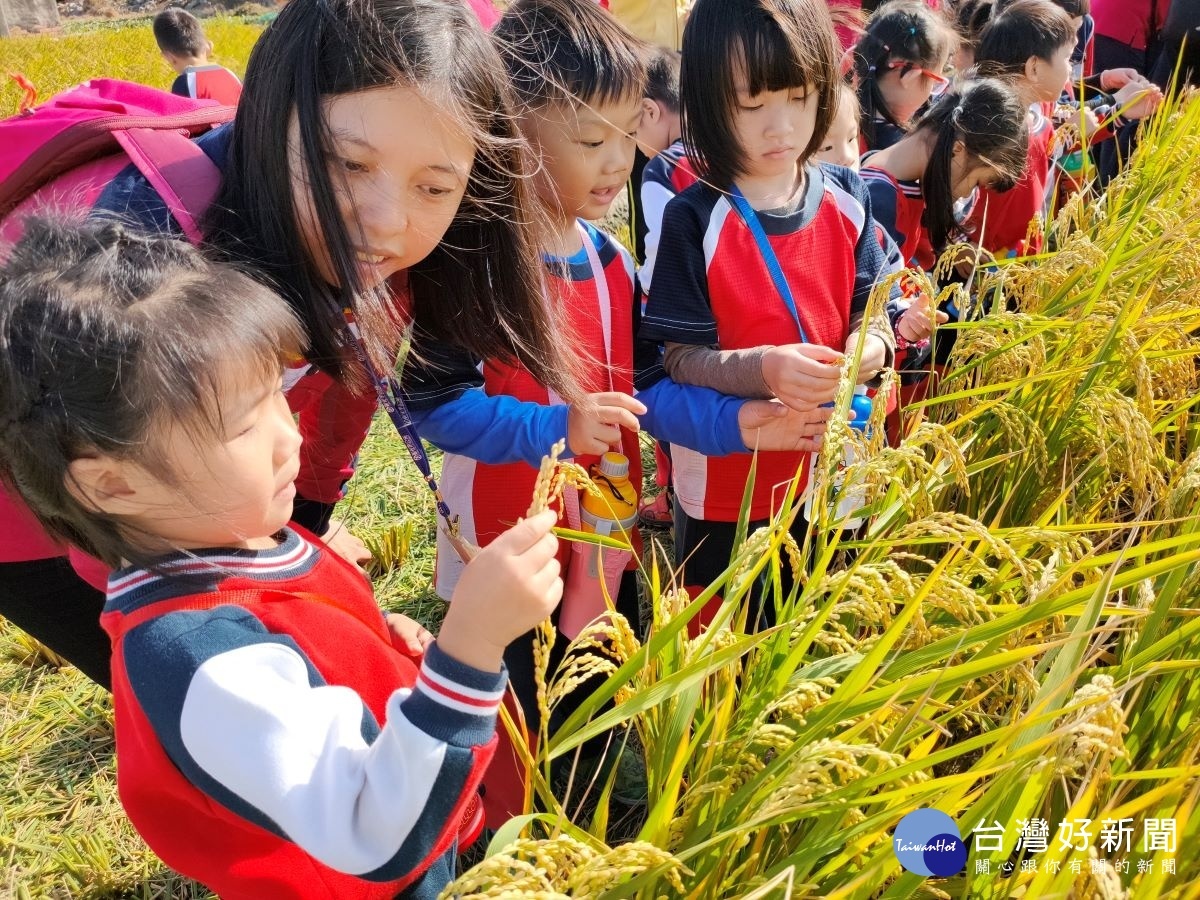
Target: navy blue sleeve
(179, 86)
(678, 309)
(871, 263)
(883, 197)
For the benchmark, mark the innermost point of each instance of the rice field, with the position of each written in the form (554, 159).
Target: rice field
(1013, 642)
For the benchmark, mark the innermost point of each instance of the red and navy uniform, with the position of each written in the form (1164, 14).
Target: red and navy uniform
(668, 174)
(899, 207)
(271, 740)
(210, 82)
(489, 498)
(713, 288)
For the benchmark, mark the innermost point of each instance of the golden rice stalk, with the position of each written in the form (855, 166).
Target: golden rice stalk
(1092, 733)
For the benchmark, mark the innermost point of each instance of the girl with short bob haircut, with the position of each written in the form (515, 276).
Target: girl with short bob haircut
(899, 63)
(973, 136)
(276, 736)
(771, 258)
(373, 173)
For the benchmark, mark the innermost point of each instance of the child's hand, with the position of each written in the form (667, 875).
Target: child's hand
(769, 425)
(918, 321)
(594, 427)
(337, 537)
(507, 589)
(802, 376)
(408, 633)
(1115, 79)
(1136, 100)
(874, 355)
(1085, 120)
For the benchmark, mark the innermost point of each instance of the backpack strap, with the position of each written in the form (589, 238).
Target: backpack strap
(182, 174)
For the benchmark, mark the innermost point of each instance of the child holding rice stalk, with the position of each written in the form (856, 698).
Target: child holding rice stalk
(766, 265)
(578, 76)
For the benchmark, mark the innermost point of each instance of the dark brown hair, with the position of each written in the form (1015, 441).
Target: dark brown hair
(777, 45)
(567, 51)
(480, 288)
(970, 17)
(178, 32)
(1026, 29)
(107, 340)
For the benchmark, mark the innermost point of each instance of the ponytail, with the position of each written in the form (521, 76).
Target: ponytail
(987, 117)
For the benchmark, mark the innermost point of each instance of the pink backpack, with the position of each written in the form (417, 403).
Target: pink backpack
(59, 156)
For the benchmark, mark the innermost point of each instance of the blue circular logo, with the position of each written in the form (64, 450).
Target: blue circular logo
(927, 843)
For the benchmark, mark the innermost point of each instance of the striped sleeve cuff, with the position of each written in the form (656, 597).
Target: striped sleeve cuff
(454, 702)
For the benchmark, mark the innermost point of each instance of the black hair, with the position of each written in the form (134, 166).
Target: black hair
(178, 32)
(569, 51)
(1026, 29)
(662, 78)
(987, 116)
(776, 45)
(1073, 8)
(107, 340)
(970, 17)
(480, 288)
(900, 32)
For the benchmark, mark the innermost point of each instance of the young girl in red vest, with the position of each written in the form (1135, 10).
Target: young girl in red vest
(277, 736)
(768, 258)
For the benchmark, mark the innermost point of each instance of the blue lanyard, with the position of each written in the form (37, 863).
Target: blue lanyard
(387, 391)
(750, 217)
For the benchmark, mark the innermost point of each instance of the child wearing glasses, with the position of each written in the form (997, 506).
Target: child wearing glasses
(898, 65)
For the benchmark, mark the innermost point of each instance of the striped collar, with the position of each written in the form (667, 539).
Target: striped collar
(202, 571)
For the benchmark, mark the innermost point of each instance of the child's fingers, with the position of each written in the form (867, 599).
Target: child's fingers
(621, 400)
(621, 417)
(526, 534)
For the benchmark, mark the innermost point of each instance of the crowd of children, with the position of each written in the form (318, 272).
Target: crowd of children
(190, 416)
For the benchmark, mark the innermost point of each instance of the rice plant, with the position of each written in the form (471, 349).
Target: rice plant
(1013, 643)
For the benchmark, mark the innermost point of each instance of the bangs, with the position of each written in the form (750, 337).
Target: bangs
(768, 57)
(203, 337)
(560, 51)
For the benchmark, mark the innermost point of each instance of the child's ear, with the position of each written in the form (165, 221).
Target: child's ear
(208, 48)
(1031, 67)
(651, 111)
(101, 483)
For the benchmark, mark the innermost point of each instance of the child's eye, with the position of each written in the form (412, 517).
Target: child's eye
(592, 145)
(827, 148)
(353, 167)
(748, 107)
(435, 190)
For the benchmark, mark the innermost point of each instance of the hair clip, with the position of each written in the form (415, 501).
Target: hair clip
(912, 29)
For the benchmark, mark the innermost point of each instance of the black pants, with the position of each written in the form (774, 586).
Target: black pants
(48, 600)
(703, 550)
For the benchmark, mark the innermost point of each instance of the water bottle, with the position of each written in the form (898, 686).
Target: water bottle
(614, 512)
(850, 502)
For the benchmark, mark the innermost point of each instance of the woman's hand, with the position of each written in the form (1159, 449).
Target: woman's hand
(769, 425)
